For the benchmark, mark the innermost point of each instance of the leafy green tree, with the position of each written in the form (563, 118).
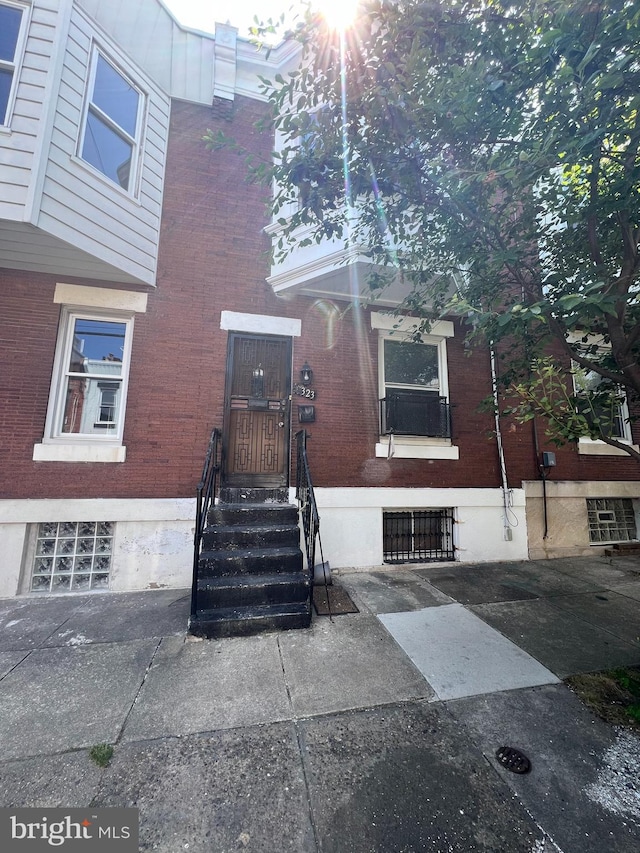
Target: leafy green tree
(486, 151)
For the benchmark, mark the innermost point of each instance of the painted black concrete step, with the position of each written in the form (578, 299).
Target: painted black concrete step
(235, 494)
(245, 590)
(239, 536)
(250, 561)
(251, 513)
(241, 621)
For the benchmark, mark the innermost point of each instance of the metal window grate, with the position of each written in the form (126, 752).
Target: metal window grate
(72, 556)
(418, 536)
(611, 520)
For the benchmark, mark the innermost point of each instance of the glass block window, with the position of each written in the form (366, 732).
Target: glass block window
(72, 556)
(611, 520)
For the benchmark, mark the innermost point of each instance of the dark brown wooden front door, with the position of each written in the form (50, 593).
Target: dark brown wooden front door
(257, 411)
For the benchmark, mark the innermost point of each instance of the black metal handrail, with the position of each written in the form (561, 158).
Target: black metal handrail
(307, 503)
(415, 413)
(205, 495)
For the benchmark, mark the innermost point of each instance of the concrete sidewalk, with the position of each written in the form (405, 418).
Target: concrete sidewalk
(376, 731)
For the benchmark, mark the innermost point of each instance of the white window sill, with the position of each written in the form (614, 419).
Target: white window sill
(417, 448)
(79, 453)
(590, 447)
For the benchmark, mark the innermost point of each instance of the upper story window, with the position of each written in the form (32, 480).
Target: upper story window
(13, 25)
(113, 123)
(415, 388)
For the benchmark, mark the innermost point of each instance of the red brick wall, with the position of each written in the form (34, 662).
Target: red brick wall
(214, 257)
(342, 447)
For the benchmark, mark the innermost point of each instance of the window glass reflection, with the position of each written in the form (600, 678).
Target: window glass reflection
(115, 97)
(10, 19)
(96, 342)
(91, 406)
(411, 364)
(108, 152)
(6, 78)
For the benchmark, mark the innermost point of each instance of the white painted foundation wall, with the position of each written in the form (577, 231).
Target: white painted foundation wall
(153, 540)
(351, 522)
(152, 549)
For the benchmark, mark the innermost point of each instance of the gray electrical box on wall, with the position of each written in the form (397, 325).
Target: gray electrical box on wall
(548, 459)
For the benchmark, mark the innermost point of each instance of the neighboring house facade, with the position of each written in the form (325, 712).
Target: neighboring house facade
(140, 310)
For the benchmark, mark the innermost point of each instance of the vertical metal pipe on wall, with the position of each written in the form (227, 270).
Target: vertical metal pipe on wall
(506, 491)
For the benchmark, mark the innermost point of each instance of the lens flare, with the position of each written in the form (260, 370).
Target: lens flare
(339, 14)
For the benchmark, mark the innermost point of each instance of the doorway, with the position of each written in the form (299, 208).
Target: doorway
(257, 411)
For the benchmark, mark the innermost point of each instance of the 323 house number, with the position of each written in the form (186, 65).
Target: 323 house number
(301, 391)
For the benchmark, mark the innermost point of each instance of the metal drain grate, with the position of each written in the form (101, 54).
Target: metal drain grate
(513, 759)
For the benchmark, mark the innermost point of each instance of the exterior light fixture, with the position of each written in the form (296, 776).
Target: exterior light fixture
(306, 374)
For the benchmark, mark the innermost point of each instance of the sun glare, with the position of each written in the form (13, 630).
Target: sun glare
(339, 14)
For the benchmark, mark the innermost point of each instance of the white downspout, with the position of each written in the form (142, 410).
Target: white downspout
(507, 493)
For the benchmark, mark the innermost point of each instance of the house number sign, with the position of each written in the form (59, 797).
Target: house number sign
(302, 391)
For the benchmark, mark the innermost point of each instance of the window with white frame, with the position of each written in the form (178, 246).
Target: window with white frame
(605, 405)
(112, 128)
(13, 26)
(414, 385)
(90, 382)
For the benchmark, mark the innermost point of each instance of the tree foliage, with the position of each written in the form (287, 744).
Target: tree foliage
(490, 143)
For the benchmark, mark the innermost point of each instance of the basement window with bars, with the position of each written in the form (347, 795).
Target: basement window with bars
(611, 520)
(418, 536)
(72, 556)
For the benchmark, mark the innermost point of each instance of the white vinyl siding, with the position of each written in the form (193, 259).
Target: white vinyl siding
(20, 138)
(182, 62)
(60, 216)
(85, 208)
